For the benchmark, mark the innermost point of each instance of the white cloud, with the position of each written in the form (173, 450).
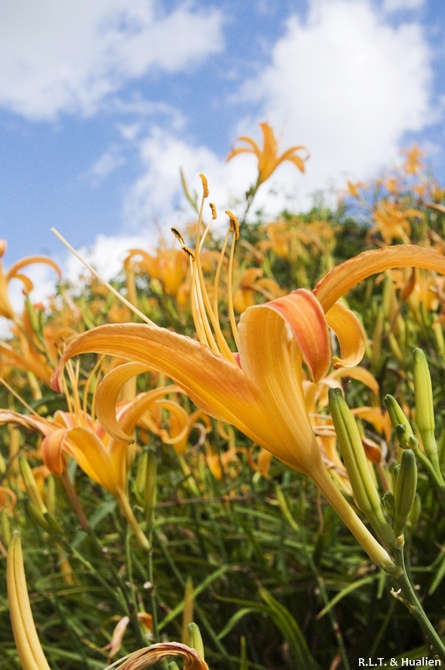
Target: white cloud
(106, 255)
(346, 84)
(107, 163)
(157, 196)
(67, 56)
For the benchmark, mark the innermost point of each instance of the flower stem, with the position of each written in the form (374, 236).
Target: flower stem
(412, 603)
(373, 548)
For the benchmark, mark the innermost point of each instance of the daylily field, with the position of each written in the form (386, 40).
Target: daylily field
(231, 457)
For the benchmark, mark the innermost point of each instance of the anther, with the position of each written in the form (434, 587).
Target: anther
(234, 223)
(178, 235)
(188, 251)
(213, 208)
(205, 185)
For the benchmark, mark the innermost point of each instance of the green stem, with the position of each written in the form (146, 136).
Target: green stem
(412, 603)
(373, 548)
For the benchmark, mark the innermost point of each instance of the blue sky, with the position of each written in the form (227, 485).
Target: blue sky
(101, 103)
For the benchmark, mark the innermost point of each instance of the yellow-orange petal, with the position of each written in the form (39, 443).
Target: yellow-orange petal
(105, 468)
(360, 373)
(343, 277)
(25, 635)
(216, 385)
(106, 400)
(304, 316)
(350, 334)
(52, 451)
(272, 361)
(30, 260)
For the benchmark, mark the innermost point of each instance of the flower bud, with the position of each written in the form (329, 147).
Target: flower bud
(405, 490)
(363, 486)
(31, 486)
(397, 417)
(195, 639)
(423, 394)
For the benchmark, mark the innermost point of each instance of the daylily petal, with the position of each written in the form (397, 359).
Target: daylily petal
(350, 334)
(308, 324)
(33, 422)
(150, 655)
(271, 360)
(343, 277)
(105, 468)
(30, 260)
(52, 451)
(120, 426)
(360, 373)
(216, 385)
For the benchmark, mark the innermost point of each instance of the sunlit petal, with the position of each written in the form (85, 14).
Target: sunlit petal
(350, 334)
(343, 277)
(105, 468)
(308, 324)
(271, 359)
(213, 383)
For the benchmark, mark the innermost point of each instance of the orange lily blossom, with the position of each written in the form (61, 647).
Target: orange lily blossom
(15, 272)
(259, 388)
(268, 158)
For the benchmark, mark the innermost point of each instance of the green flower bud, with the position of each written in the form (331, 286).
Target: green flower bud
(35, 515)
(31, 486)
(397, 415)
(406, 440)
(363, 486)
(405, 490)
(423, 393)
(5, 528)
(195, 639)
(416, 509)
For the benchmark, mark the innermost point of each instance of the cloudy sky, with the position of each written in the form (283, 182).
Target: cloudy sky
(102, 102)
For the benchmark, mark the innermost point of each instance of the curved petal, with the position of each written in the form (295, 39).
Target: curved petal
(350, 334)
(107, 396)
(360, 373)
(52, 451)
(30, 260)
(143, 402)
(108, 470)
(41, 425)
(343, 277)
(213, 383)
(271, 359)
(303, 314)
(150, 655)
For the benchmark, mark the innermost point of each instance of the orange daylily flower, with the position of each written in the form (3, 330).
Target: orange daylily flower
(102, 458)
(14, 272)
(413, 160)
(251, 284)
(392, 222)
(268, 158)
(169, 266)
(259, 388)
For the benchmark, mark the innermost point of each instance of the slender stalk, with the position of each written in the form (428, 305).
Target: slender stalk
(373, 548)
(412, 603)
